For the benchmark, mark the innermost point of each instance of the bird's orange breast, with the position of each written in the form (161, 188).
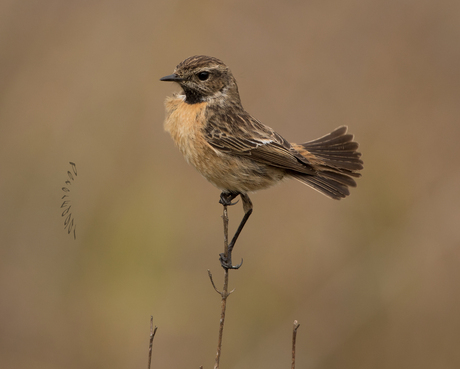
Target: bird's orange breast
(185, 123)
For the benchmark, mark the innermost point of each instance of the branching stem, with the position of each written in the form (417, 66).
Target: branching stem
(224, 292)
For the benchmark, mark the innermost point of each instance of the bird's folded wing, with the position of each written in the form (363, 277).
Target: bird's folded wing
(258, 142)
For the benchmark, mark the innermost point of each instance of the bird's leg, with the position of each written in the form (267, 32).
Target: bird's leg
(226, 199)
(247, 207)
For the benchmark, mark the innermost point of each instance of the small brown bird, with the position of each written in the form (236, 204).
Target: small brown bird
(237, 153)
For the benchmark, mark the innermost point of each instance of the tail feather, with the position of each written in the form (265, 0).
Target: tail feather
(336, 161)
(328, 187)
(336, 149)
(340, 131)
(342, 146)
(339, 177)
(339, 164)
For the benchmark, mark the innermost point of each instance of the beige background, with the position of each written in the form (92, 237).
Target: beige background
(373, 280)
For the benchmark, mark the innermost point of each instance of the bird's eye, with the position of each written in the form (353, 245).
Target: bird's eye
(203, 76)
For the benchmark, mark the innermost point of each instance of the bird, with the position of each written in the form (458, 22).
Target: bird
(240, 155)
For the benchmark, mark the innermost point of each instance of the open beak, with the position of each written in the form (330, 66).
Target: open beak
(171, 78)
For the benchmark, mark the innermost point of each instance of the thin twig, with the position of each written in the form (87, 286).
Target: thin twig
(224, 292)
(212, 281)
(152, 334)
(294, 334)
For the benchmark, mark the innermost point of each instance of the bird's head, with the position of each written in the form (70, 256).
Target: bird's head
(205, 78)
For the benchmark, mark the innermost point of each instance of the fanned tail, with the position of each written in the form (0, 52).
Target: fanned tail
(336, 160)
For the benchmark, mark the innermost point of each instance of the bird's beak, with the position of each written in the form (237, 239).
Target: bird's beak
(172, 78)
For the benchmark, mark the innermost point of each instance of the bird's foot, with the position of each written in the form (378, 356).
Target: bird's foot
(226, 262)
(227, 197)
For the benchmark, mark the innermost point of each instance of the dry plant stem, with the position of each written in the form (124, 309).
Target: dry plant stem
(224, 292)
(294, 335)
(152, 334)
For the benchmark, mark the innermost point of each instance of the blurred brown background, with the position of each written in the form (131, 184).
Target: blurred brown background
(373, 280)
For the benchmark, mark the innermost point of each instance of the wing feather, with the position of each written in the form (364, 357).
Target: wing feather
(245, 136)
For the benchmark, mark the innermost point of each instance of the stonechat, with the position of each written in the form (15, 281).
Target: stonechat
(237, 153)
